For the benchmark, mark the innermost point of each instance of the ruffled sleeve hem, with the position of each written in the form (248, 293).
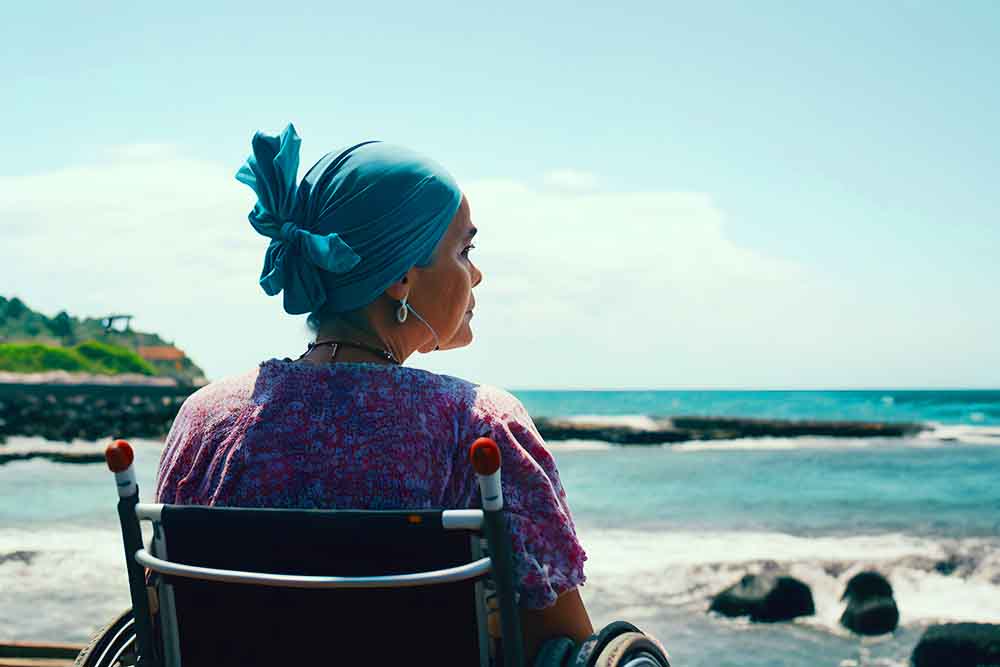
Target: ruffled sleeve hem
(548, 557)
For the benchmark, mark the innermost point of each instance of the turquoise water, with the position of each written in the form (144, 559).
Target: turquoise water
(665, 527)
(981, 407)
(945, 491)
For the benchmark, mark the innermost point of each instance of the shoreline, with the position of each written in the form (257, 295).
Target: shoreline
(92, 412)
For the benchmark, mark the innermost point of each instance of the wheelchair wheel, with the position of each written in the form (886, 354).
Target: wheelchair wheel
(585, 655)
(554, 652)
(632, 649)
(113, 646)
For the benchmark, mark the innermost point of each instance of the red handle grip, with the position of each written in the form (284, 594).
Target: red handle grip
(119, 455)
(485, 456)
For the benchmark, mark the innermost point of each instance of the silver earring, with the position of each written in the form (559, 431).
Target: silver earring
(402, 312)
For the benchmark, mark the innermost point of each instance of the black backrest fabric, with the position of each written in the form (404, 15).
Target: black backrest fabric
(239, 624)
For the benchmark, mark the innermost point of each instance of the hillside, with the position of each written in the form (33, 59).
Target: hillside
(31, 342)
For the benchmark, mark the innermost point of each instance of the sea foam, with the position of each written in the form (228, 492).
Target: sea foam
(632, 569)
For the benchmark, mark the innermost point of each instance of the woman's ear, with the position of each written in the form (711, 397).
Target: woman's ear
(401, 287)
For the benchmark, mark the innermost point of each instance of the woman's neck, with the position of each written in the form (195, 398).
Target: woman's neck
(343, 330)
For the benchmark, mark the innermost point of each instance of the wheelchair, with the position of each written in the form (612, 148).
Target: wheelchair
(227, 587)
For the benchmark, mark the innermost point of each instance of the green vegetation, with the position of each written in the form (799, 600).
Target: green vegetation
(89, 357)
(115, 359)
(33, 342)
(21, 324)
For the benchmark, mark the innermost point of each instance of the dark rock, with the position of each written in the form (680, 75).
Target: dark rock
(765, 598)
(682, 429)
(87, 412)
(955, 563)
(563, 429)
(871, 609)
(22, 556)
(958, 645)
(738, 427)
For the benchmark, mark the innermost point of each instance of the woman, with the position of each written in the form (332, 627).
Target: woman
(374, 244)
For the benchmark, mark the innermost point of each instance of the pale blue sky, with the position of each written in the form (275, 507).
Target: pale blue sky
(856, 144)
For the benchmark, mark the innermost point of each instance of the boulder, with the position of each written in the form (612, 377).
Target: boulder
(765, 598)
(871, 609)
(958, 645)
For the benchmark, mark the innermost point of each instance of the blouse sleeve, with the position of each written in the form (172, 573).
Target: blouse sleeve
(548, 557)
(177, 456)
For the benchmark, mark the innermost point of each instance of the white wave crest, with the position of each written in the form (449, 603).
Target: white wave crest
(963, 433)
(638, 422)
(633, 569)
(778, 444)
(60, 585)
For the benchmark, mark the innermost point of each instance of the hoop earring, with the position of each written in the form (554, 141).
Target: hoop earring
(402, 311)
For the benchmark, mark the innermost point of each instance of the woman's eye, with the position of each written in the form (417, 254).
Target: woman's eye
(467, 249)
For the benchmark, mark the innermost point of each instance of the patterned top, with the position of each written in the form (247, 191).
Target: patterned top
(371, 436)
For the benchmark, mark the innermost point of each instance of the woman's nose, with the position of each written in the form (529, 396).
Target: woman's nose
(477, 276)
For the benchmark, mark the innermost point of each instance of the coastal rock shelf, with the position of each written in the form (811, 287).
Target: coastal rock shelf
(684, 429)
(91, 412)
(68, 412)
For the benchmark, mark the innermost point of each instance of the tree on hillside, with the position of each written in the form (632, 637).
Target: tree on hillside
(62, 326)
(15, 308)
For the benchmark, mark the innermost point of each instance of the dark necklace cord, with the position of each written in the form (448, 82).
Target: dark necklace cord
(385, 354)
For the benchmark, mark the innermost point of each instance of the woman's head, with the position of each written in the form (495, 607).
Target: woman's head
(369, 226)
(440, 292)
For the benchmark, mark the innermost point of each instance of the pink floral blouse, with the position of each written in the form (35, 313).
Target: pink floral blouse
(371, 436)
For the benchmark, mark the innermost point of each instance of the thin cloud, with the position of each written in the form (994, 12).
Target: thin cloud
(580, 288)
(570, 179)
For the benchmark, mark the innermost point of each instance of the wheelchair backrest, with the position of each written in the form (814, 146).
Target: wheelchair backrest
(222, 624)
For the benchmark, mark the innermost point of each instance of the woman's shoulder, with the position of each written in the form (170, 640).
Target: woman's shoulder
(228, 387)
(403, 386)
(497, 403)
(274, 377)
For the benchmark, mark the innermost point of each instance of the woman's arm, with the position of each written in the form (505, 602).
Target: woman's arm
(567, 617)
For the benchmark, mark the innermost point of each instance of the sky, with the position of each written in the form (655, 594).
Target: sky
(669, 195)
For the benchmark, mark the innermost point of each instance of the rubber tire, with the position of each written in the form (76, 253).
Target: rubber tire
(554, 652)
(585, 655)
(630, 644)
(107, 642)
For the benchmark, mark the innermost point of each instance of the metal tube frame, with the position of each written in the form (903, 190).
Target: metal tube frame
(132, 539)
(445, 576)
(491, 523)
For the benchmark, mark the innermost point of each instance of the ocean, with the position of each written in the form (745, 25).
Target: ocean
(665, 527)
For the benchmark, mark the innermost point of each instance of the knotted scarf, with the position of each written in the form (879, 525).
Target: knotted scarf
(361, 218)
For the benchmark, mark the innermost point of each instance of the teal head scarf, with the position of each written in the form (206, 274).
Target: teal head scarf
(361, 218)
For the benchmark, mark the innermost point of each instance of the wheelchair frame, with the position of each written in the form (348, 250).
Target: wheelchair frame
(619, 644)
(489, 522)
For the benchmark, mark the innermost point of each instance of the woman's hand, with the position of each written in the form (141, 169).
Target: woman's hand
(566, 618)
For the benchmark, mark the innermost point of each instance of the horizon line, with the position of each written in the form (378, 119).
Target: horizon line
(759, 389)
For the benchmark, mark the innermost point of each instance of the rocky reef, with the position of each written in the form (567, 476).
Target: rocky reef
(89, 412)
(63, 407)
(683, 429)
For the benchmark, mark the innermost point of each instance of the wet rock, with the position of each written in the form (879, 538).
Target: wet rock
(564, 429)
(18, 556)
(958, 645)
(682, 429)
(765, 598)
(739, 427)
(871, 609)
(956, 563)
(62, 413)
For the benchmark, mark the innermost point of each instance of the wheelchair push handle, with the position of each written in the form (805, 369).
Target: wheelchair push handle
(119, 456)
(484, 455)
